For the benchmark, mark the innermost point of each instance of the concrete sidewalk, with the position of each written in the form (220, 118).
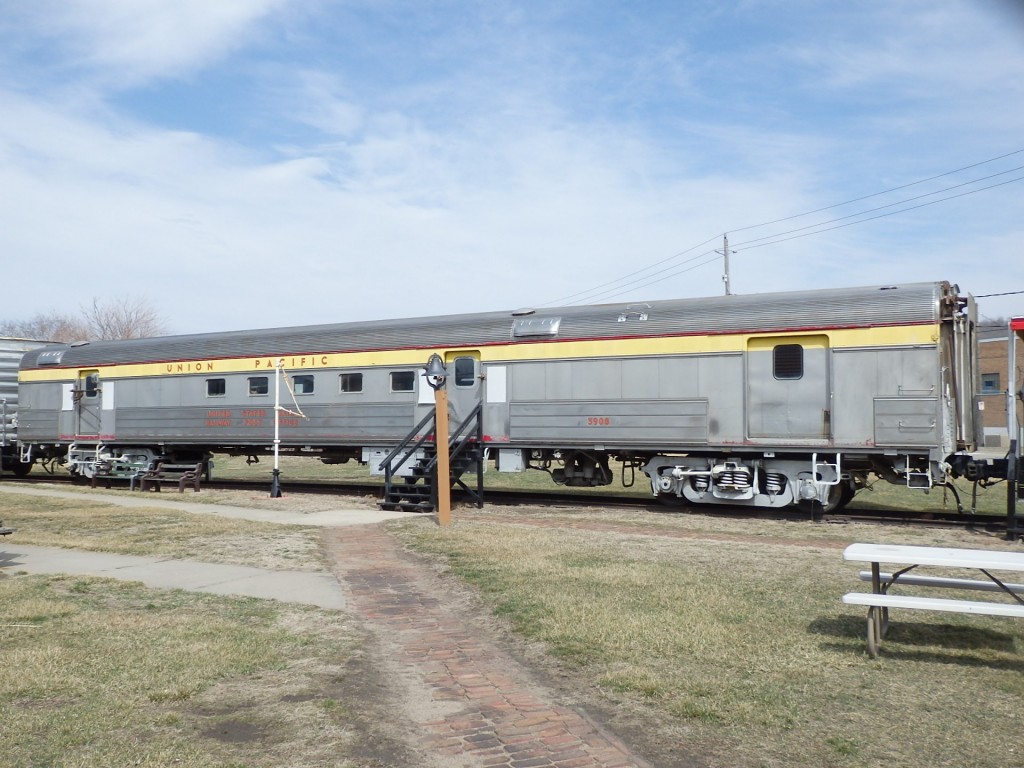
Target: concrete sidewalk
(304, 587)
(336, 517)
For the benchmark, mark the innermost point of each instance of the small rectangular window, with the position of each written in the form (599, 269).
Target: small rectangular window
(351, 382)
(258, 385)
(92, 385)
(216, 387)
(788, 361)
(990, 384)
(403, 381)
(465, 372)
(303, 384)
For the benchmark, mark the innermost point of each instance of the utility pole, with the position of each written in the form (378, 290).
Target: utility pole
(725, 253)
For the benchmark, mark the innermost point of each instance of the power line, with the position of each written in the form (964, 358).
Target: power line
(611, 293)
(878, 194)
(888, 205)
(638, 272)
(1006, 293)
(619, 285)
(883, 215)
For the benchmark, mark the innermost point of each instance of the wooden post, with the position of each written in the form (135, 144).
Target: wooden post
(444, 483)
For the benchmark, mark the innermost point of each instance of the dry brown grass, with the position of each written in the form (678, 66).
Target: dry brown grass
(729, 638)
(104, 673)
(94, 525)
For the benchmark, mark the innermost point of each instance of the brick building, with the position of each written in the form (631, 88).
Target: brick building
(993, 364)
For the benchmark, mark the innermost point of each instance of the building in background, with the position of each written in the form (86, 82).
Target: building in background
(993, 364)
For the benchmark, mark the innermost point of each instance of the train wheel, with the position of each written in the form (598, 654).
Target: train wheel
(671, 500)
(838, 497)
(21, 468)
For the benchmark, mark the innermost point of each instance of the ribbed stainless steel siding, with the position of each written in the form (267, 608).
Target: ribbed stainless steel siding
(11, 352)
(851, 307)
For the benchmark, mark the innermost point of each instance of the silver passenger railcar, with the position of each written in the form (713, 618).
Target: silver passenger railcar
(762, 400)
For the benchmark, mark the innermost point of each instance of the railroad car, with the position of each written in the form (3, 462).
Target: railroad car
(759, 400)
(11, 351)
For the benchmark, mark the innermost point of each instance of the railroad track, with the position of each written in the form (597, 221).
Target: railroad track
(513, 498)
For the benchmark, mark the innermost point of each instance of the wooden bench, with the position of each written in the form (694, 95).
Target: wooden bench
(879, 601)
(182, 474)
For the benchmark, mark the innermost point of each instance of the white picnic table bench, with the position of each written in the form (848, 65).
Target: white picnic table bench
(879, 601)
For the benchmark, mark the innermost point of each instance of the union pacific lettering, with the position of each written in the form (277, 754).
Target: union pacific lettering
(310, 361)
(192, 367)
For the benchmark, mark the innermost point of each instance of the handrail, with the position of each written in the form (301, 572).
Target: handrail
(387, 464)
(457, 444)
(408, 438)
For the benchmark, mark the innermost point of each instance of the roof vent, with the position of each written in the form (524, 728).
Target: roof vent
(536, 326)
(635, 312)
(50, 358)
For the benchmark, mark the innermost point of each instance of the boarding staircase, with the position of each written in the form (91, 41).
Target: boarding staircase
(410, 470)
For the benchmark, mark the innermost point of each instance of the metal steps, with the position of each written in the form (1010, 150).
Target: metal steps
(415, 490)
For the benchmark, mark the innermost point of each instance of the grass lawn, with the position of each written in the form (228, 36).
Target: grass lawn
(97, 672)
(103, 673)
(728, 639)
(711, 635)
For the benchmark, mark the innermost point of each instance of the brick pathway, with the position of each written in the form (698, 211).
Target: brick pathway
(486, 709)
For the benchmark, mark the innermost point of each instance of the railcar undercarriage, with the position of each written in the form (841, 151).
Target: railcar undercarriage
(819, 482)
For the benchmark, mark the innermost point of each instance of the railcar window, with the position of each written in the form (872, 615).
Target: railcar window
(351, 382)
(990, 384)
(216, 387)
(92, 385)
(303, 384)
(465, 372)
(258, 385)
(788, 361)
(403, 381)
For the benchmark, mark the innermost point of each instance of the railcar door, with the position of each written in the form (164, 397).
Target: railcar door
(788, 387)
(88, 403)
(463, 383)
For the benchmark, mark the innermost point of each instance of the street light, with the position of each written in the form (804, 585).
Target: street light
(436, 376)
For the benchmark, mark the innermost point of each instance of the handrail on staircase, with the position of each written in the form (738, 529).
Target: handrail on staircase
(459, 442)
(455, 445)
(387, 464)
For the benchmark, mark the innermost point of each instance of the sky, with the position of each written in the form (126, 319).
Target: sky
(262, 163)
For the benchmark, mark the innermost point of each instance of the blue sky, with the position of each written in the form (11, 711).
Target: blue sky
(253, 163)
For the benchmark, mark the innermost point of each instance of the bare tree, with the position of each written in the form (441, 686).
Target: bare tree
(122, 318)
(47, 327)
(118, 318)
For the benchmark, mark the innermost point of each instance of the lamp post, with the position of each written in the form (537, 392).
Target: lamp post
(436, 377)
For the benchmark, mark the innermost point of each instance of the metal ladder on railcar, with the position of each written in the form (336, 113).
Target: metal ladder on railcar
(1015, 429)
(1015, 491)
(417, 489)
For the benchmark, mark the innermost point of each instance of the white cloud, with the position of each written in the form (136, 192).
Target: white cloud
(482, 189)
(126, 42)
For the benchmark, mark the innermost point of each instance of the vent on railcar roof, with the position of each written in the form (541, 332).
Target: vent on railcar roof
(634, 312)
(50, 358)
(539, 326)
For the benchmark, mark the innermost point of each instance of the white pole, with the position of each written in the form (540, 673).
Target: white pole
(725, 253)
(275, 484)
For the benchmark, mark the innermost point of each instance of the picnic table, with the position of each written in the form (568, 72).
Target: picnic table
(879, 601)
